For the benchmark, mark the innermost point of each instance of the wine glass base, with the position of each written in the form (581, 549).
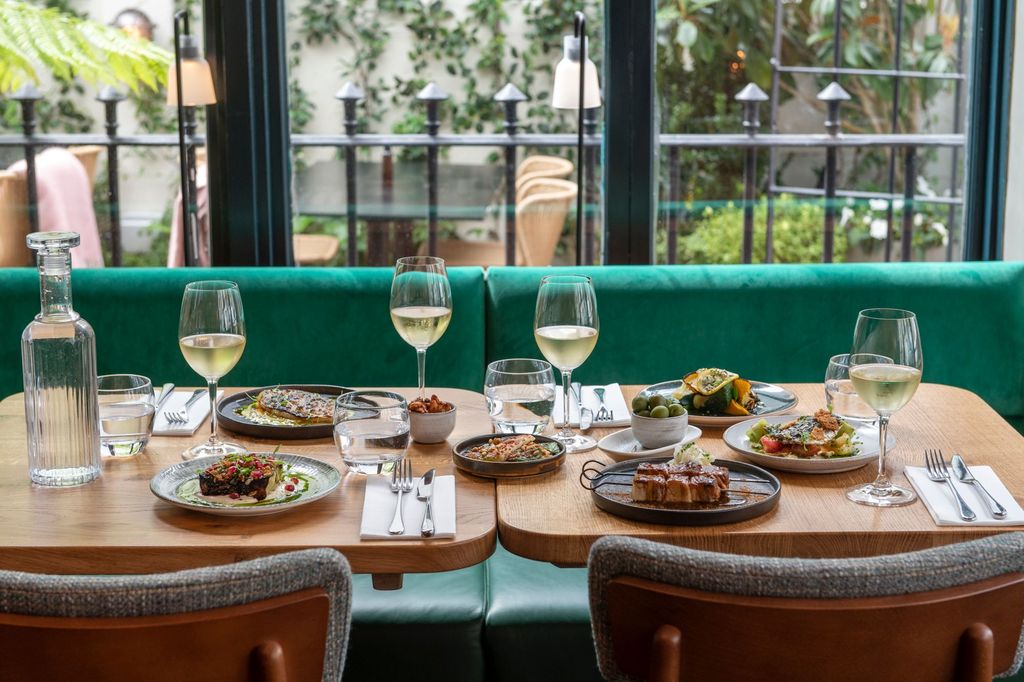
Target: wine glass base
(874, 496)
(576, 442)
(218, 449)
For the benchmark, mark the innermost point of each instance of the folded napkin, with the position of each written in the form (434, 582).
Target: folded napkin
(613, 400)
(941, 505)
(197, 414)
(379, 509)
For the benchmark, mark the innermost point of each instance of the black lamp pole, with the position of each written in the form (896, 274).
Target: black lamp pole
(580, 32)
(190, 234)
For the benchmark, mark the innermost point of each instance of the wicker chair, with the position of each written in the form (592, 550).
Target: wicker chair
(665, 613)
(283, 617)
(539, 167)
(314, 249)
(541, 210)
(14, 222)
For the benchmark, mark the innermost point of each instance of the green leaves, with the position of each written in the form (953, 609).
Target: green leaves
(34, 37)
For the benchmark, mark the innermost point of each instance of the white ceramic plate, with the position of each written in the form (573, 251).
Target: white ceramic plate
(736, 438)
(622, 446)
(179, 485)
(774, 400)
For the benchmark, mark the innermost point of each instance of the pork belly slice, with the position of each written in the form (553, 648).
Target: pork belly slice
(648, 488)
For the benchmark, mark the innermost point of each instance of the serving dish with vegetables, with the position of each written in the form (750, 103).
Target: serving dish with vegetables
(508, 455)
(717, 397)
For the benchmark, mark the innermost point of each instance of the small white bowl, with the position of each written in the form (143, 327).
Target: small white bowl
(652, 432)
(431, 427)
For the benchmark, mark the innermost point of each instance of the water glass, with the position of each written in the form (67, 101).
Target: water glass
(840, 396)
(371, 430)
(520, 395)
(127, 408)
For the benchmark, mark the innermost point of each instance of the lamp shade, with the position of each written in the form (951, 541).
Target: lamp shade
(565, 93)
(196, 83)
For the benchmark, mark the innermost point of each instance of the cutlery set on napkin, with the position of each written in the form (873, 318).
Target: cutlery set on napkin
(194, 406)
(593, 399)
(430, 498)
(957, 494)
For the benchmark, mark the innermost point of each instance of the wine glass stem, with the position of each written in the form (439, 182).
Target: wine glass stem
(882, 481)
(566, 382)
(421, 370)
(212, 386)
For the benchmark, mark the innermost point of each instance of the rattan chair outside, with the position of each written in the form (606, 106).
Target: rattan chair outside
(539, 166)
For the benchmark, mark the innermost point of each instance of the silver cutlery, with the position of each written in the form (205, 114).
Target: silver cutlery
(165, 394)
(181, 416)
(401, 482)
(603, 414)
(938, 472)
(586, 414)
(965, 476)
(425, 492)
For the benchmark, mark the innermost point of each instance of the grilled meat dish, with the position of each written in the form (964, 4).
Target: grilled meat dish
(820, 435)
(679, 483)
(235, 475)
(299, 406)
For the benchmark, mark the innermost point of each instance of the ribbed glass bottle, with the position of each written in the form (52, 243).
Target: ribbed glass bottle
(58, 355)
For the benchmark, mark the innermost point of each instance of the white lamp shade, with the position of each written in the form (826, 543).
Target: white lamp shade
(565, 94)
(196, 83)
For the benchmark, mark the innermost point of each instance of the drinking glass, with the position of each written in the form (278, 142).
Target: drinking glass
(520, 395)
(421, 306)
(885, 386)
(211, 335)
(126, 413)
(566, 328)
(371, 430)
(840, 396)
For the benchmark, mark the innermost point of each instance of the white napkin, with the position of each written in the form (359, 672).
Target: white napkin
(379, 509)
(613, 400)
(197, 414)
(940, 503)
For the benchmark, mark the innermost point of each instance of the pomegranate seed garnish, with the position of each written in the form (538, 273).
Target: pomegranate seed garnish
(295, 479)
(289, 487)
(233, 496)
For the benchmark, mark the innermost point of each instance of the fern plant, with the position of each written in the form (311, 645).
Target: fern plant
(69, 46)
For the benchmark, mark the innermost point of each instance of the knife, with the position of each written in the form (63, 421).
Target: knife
(586, 414)
(425, 492)
(965, 476)
(165, 393)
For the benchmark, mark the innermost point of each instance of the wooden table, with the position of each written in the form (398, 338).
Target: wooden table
(554, 519)
(116, 525)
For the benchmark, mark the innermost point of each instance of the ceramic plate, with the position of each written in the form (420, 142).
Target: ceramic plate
(505, 469)
(228, 417)
(179, 485)
(774, 400)
(736, 438)
(621, 445)
(752, 492)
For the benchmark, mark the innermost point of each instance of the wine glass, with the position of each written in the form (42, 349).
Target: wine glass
(565, 328)
(840, 396)
(421, 306)
(211, 335)
(886, 386)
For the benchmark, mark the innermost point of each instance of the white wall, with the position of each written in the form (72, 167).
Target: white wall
(1013, 244)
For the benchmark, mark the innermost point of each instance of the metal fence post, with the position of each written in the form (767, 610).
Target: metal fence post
(510, 96)
(27, 95)
(672, 252)
(833, 95)
(909, 180)
(432, 95)
(111, 97)
(350, 94)
(589, 200)
(751, 96)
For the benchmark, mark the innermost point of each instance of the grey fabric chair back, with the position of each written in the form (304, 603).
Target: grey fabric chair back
(66, 604)
(953, 612)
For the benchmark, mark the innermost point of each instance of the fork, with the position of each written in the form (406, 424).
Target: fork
(938, 472)
(603, 414)
(401, 482)
(181, 416)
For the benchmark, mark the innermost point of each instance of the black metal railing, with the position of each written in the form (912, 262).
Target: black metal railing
(751, 141)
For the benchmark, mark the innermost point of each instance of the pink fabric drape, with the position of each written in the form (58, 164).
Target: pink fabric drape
(176, 248)
(64, 196)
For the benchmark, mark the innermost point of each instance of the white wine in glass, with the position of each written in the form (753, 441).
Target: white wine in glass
(211, 335)
(421, 307)
(566, 328)
(886, 386)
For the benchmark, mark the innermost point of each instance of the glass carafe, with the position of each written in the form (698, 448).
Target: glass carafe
(58, 356)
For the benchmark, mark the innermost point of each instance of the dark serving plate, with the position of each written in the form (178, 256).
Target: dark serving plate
(752, 492)
(505, 469)
(232, 421)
